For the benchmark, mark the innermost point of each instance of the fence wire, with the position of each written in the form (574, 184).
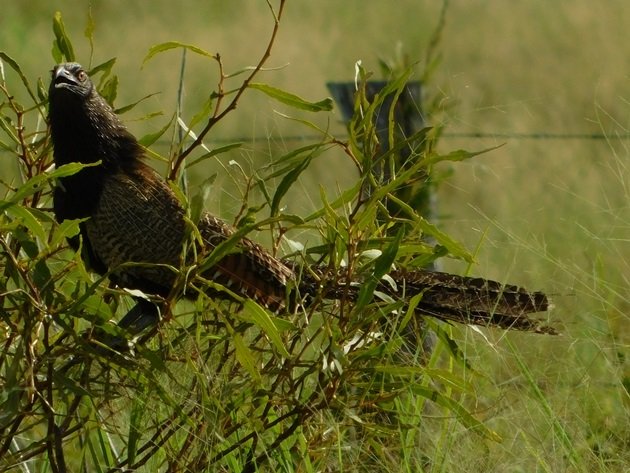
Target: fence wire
(456, 134)
(444, 135)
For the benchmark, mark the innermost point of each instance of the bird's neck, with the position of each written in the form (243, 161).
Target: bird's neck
(90, 131)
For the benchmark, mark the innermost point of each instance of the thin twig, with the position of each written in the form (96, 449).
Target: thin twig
(232, 105)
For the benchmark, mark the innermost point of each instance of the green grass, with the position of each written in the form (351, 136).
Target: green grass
(547, 214)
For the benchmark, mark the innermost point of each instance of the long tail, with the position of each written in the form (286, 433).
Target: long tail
(460, 299)
(474, 300)
(252, 272)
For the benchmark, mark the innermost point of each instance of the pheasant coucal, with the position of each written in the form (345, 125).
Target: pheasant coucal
(136, 227)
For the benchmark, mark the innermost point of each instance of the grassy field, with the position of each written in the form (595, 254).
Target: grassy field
(550, 213)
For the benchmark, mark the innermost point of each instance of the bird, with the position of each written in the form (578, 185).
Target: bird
(135, 229)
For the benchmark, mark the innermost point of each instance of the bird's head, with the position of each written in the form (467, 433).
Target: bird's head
(84, 127)
(70, 78)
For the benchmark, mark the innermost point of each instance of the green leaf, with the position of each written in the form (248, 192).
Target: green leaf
(451, 380)
(228, 246)
(253, 312)
(400, 370)
(62, 41)
(293, 100)
(159, 48)
(41, 274)
(382, 265)
(98, 308)
(16, 67)
(290, 156)
(384, 262)
(451, 346)
(148, 140)
(452, 406)
(67, 170)
(397, 87)
(347, 196)
(104, 67)
(126, 108)
(214, 152)
(306, 123)
(287, 182)
(109, 91)
(198, 199)
(24, 215)
(41, 91)
(245, 356)
(29, 245)
(458, 155)
(444, 376)
(283, 324)
(9, 129)
(455, 249)
(203, 112)
(224, 248)
(66, 229)
(56, 53)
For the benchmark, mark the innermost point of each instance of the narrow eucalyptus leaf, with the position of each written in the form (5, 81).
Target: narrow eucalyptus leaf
(245, 356)
(259, 316)
(293, 100)
(160, 48)
(62, 40)
(16, 67)
(148, 140)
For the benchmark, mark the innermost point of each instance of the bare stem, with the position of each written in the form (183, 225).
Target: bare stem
(232, 105)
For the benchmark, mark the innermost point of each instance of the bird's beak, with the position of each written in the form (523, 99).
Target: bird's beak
(62, 76)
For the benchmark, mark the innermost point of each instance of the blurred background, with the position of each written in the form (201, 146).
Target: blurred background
(548, 210)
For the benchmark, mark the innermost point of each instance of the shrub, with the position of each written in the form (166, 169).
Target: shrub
(220, 385)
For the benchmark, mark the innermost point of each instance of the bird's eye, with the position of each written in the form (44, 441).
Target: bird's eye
(81, 75)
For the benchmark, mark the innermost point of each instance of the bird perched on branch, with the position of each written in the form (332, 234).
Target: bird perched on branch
(135, 227)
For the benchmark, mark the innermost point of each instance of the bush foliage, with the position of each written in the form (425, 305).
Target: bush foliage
(224, 386)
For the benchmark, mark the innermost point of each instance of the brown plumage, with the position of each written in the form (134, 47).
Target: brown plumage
(134, 217)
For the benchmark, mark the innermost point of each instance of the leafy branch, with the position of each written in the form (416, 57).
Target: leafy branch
(218, 114)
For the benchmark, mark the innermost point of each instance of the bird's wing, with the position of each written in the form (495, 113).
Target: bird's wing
(138, 219)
